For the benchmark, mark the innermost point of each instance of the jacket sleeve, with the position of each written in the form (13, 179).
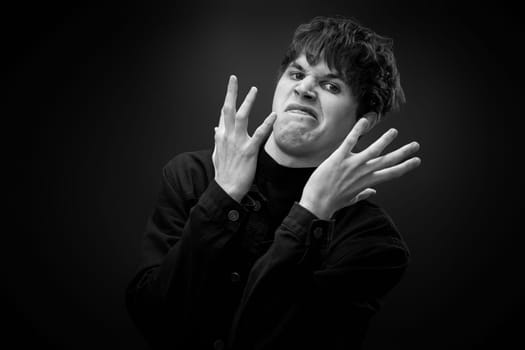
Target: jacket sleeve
(186, 240)
(291, 283)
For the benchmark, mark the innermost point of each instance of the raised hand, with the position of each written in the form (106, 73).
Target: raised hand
(345, 178)
(235, 153)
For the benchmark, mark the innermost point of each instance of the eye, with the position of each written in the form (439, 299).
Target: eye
(296, 75)
(333, 88)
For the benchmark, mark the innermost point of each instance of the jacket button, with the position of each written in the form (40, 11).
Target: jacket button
(233, 215)
(318, 232)
(235, 277)
(218, 344)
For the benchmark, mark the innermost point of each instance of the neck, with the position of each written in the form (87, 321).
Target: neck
(286, 159)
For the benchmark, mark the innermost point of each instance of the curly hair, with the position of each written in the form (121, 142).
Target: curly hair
(363, 58)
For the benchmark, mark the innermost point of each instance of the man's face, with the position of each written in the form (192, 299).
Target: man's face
(315, 111)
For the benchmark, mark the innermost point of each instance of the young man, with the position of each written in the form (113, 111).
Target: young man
(275, 246)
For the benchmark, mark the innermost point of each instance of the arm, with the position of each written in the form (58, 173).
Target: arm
(185, 247)
(293, 295)
(353, 282)
(287, 277)
(186, 251)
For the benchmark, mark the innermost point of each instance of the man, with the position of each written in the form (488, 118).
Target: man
(268, 241)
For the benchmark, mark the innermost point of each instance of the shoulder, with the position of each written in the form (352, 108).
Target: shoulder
(190, 171)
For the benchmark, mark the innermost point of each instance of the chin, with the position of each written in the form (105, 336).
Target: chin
(294, 142)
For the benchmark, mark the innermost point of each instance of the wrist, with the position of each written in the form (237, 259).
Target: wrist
(323, 212)
(231, 191)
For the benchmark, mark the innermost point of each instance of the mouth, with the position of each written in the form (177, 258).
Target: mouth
(300, 109)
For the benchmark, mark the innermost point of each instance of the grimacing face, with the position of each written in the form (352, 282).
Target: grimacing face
(315, 111)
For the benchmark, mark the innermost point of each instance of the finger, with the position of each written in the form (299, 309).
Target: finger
(366, 193)
(241, 121)
(393, 158)
(351, 139)
(264, 129)
(375, 149)
(228, 109)
(221, 121)
(394, 171)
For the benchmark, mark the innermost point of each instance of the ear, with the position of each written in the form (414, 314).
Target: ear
(373, 119)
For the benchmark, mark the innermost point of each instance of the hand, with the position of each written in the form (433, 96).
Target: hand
(235, 153)
(345, 178)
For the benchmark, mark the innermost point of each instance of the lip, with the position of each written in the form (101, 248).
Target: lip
(303, 108)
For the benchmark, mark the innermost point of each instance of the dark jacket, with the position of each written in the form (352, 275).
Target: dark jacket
(261, 274)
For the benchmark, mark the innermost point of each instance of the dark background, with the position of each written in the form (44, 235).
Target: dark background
(100, 98)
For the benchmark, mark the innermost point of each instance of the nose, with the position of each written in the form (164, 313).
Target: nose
(304, 89)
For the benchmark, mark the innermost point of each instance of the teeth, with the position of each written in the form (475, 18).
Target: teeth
(300, 112)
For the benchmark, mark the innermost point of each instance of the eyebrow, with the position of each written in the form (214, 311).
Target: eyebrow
(329, 75)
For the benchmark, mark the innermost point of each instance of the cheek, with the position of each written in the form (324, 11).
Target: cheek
(280, 95)
(338, 107)
(339, 117)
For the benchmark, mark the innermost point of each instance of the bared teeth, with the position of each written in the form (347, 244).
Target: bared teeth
(300, 112)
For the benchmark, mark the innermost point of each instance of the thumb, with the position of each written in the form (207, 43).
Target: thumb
(364, 194)
(264, 129)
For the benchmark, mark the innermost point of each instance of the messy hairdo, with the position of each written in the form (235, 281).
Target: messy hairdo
(363, 58)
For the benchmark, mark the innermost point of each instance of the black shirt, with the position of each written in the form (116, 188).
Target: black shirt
(261, 274)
